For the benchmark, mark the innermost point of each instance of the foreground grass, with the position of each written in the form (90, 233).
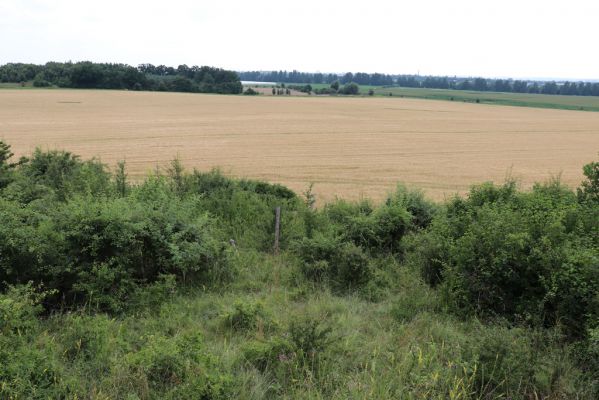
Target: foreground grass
(379, 344)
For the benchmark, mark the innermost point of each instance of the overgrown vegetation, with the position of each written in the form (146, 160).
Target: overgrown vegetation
(169, 288)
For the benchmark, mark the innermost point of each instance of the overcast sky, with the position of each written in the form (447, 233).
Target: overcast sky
(502, 38)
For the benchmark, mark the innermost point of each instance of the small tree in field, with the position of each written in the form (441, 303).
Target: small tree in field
(351, 89)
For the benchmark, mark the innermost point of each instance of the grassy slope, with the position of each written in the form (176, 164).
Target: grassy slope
(401, 346)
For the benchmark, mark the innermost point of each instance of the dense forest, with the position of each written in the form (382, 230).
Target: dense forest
(433, 82)
(90, 75)
(169, 288)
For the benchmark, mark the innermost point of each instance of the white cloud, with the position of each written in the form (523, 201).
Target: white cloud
(461, 37)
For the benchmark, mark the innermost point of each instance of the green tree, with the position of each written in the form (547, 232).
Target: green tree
(5, 166)
(350, 89)
(589, 189)
(120, 178)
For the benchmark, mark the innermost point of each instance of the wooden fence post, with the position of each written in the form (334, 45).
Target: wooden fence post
(277, 228)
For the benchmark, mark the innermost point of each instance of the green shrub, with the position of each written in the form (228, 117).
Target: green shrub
(29, 367)
(309, 338)
(177, 368)
(40, 81)
(342, 264)
(266, 355)
(246, 317)
(98, 251)
(505, 361)
(19, 308)
(589, 189)
(117, 244)
(428, 251)
(250, 92)
(245, 209)
(150, 297)
(422, 211)
(87, 339)
(410, 303)
(294, 357)
(591, 356)
(526, 256)
(6, 167)
(376, 230)
(66, 174)
(350, 267)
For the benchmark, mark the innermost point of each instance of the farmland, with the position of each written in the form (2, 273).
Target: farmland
(581, 103)
(348, 147)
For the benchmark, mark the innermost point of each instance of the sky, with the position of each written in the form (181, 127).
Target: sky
(503, 38)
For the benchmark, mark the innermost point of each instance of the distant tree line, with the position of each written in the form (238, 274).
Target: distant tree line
(350, 88)
(508, 85)
(434, 82)
(121, 76)
(360, 78)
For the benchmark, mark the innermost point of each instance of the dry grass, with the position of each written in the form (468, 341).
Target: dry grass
(349, 147)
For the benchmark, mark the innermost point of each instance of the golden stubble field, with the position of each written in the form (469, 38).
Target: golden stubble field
(349, 147)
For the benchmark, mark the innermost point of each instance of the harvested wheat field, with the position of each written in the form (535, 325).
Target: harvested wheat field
(349, 147)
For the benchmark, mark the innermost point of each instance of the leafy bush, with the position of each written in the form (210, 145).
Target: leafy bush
(250, 92)
(246, 317)
(344, 265)
(589, 189)
(40, 81)
(178, 368)
(245, 209)
(502, 360)
(421, 209)
(99, 251)
(28, 369)
(19, 308)
(6, 167)
(86, 339)
(377, 230)
(526, 256)
(289, 359)
(64, 173)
